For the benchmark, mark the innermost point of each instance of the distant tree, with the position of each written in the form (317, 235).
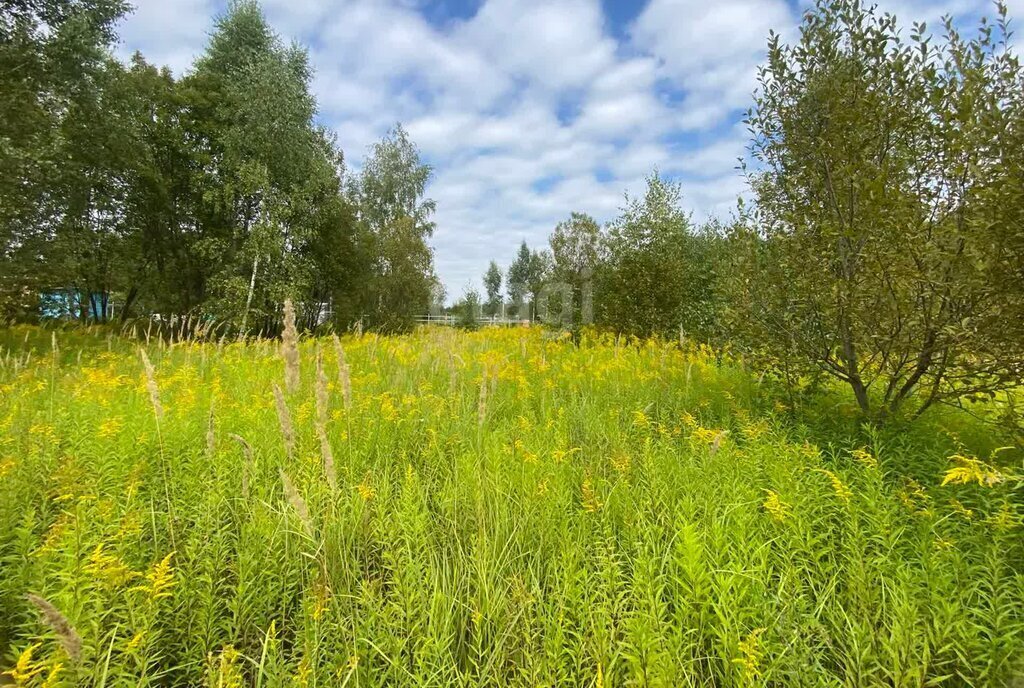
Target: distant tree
(468, 310)
(492, 284)
(575, 247)
(518, 280)
(392, 210)
(882, 251)
(537, 275)
(649, 282)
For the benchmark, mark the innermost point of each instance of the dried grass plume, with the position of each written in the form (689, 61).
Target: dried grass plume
(284, 419)
(290, 348)
(66, 634)
(154, 391)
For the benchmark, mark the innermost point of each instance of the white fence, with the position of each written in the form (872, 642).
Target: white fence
(452, 320)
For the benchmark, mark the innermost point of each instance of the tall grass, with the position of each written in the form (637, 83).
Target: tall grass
(508, 510)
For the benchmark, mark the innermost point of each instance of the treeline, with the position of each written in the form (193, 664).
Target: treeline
(650, 271)
(127, 191)
(884, 242)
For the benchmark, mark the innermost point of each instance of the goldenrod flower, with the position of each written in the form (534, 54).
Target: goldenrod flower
(53, 677)
(970, 469)
(366, 490)
(160, 579)
(864, 456)
(841, 490)
(135, 643)
(108, 568)
(775, 507)
(750, 661)
(621, 463)
(110, 427)
(24, 669)
(961, 509)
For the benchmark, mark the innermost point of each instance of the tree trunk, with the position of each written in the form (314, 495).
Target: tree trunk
(133, 293)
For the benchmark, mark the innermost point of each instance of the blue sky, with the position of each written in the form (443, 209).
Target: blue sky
(530, 109)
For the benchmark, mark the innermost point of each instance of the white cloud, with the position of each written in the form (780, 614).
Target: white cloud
(711, 49)
(529, 109)
(168, 33)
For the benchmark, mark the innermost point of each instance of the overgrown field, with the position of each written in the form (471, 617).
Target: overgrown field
(494, 508)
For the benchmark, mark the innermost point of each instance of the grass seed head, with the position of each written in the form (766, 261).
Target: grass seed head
(344, 379)
(284, 419)
(291, 493)
(290, 348)
(58, 623)
(154, 391)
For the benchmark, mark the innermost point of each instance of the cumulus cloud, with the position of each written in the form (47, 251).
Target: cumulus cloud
(528, 109)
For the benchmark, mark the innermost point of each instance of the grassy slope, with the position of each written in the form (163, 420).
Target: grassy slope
(595, 528)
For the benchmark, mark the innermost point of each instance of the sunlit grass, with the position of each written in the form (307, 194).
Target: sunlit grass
(509, 509)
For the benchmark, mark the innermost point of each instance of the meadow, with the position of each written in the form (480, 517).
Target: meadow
(490, 508)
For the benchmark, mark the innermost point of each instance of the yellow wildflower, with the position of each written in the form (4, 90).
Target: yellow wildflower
(589, 498)
(775, 507)
(750, 661)
(1004, 519)
(160, 579)
(621, 463)
(560, 455)
(228, 674)
(641, 420)
(755, 429)
(864, 456)
(841, 490)
(914, 497)
(970, 469)
(24, 669)
(321, 601)
(366, 490)
(303, 672)
(707, 436)
(135, 643)
(961, 509)
(108, 568)
(110, 427)
(53, 677)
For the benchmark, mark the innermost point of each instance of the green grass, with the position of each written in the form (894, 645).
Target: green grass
(589, 523)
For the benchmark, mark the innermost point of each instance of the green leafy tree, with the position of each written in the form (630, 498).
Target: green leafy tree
(575, 246)
(537, 275)
(394, 214)
(879, 248)
(469, 310)
(518, 280)
(271, 217)
(54, 71)
(492, 284)
(649, 281)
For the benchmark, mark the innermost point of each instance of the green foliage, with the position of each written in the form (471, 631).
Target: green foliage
(875, 254)
(508, 510)
(492, 285)
(518, 279)
(55, 168)
(469, 310)
(655, 275)
(216, 194)
(395, 217)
